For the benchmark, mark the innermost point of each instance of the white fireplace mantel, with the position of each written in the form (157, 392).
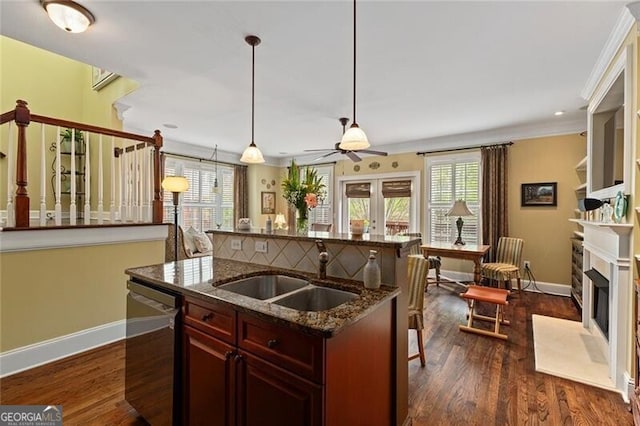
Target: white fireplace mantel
(607, 248)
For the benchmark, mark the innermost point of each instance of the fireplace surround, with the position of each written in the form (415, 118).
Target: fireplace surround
(607, 248)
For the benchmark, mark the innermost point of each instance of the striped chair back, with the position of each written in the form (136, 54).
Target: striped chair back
(417, 276)
(414, 249)
(510, 251)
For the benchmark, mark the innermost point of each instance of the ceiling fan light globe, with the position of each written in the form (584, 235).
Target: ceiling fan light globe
(252, 155)
(354, 139)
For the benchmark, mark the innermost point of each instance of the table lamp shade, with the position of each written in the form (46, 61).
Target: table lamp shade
(175, 184)
(459, 208)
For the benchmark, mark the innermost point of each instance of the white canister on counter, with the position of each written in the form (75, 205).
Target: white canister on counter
(371, 272)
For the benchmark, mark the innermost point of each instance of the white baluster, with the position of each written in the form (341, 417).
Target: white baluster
(11, 212)
(112, 201)
(43, 179)
(121, 182)
(136, 189)
(100, 181)
(148, 184)
(125, 187)
(72, 197)
(58, 195)
(87, 180)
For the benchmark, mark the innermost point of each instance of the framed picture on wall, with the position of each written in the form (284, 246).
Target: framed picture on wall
(268, 202)
(101, 77)
(539, 194)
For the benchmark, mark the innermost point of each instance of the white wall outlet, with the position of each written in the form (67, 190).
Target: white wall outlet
(261, 246)
(527, 264)
(236, 244)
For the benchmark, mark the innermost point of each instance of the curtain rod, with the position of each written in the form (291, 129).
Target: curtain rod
(464, 149)
(172, 154)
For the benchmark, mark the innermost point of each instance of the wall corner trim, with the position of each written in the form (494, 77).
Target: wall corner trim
(616, 37)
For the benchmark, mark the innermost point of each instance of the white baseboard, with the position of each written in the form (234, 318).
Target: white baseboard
(540, 287)
(26, 357)
(629, 390)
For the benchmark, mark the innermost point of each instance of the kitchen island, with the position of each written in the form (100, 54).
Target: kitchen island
(250, 361)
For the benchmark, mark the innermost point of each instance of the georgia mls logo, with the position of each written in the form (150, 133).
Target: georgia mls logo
(30, 415)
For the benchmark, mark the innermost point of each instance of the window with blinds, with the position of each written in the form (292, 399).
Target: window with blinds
(323, 213)
(449, 178)
(201, 206)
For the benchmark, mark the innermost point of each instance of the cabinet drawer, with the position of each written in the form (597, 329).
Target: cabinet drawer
(288, 348)
(216, 320)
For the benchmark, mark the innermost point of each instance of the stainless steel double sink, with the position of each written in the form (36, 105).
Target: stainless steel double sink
(291, 292)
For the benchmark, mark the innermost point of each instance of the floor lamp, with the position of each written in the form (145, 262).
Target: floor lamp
(176, 185)
(459, 209)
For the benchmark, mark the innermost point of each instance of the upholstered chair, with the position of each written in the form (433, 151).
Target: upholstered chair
(507, 264)
(418, 267)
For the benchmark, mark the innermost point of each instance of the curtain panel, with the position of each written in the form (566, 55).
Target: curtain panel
(241, 193)
(495, 218)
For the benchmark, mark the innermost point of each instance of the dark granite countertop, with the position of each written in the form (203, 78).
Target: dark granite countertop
(394, 241)
(200, 277)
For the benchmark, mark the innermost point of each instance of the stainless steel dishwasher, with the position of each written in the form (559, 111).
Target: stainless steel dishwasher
(152, 360)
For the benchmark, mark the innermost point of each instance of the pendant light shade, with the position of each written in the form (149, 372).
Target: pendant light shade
(354, 138)
(68, 15)
(252, 154)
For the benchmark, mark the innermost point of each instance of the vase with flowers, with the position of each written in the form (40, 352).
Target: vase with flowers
(301, 188)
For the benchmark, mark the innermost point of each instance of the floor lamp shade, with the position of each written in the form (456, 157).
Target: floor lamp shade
(176, 185)
(459, 209)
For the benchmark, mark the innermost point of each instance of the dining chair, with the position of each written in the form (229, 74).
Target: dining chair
(321, 227)
(507, 264)
(434, 261)
(418, 267)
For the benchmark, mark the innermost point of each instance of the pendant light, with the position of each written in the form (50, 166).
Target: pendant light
(354, 138)
(252, 154)
(68, 15)
(216, 188)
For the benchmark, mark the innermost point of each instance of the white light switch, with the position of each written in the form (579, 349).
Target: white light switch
(236, 244)
(261, 246)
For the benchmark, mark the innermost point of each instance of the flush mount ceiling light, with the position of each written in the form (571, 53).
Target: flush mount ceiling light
(68, 15)
(354, 138)
(252, 154)
(558, 113)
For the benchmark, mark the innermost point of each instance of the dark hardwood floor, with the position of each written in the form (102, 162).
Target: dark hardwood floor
(477, 380)
(468, 380)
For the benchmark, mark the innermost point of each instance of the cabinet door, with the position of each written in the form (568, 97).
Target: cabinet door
(271, 396)
(209, 380)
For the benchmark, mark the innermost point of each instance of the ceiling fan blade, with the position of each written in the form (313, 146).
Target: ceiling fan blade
(319, 150)
(368, 151)
(324, 156)
(354, 157)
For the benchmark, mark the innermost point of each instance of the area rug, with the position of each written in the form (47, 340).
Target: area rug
(566, 349)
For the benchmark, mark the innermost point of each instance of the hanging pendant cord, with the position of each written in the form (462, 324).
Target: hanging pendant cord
(354, 62)
(253, 73)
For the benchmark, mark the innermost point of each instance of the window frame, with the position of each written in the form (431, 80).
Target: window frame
(452, 158)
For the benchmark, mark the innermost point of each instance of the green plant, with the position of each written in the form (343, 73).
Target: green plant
(299, 183)
(67, 133)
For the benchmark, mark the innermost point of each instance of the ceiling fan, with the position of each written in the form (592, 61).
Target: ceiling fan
(351, 154)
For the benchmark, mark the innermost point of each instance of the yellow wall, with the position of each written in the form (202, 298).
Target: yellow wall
(58, 87)
(546, 230)
(51, 293)
(256, 174)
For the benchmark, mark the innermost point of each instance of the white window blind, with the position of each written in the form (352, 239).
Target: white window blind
(449, 178)
(200, 206)
(324, 212)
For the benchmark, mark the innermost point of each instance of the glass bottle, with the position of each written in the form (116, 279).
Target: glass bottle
(371, 272)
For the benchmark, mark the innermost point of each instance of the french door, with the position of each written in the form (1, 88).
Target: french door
(388, 204)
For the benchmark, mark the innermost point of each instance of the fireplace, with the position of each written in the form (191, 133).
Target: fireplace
(606, 298)
(600, 300)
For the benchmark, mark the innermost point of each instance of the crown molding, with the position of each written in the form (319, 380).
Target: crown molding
(623, 25)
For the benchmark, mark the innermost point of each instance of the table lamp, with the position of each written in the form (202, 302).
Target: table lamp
(459, 209)
(176, 185)
(279, 222)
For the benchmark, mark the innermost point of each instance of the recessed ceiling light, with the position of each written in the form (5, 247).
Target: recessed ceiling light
(68, 15)
(558, 113)
(170, 126)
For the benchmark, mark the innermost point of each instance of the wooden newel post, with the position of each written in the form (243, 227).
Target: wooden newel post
(157, 170)
(23, 118)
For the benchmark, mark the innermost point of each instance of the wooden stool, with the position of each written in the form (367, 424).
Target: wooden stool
(498, 297)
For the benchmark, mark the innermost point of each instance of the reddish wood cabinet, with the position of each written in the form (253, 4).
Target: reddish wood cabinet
(250, 371)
